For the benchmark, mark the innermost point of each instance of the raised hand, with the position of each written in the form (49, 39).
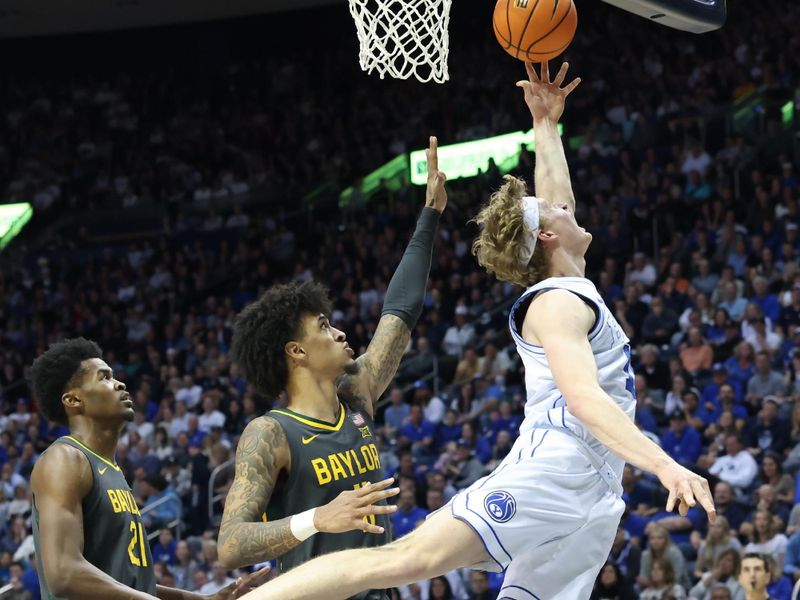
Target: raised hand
(544, 98)
(435, 194)
(347, 511)
(242, 585)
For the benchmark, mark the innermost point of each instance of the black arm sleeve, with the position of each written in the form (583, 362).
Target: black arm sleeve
(406, 290)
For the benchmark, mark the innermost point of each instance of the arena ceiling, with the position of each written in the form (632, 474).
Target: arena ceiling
(20, 18)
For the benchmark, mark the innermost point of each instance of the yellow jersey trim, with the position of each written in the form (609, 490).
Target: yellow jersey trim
(85, 447)
(314, 422)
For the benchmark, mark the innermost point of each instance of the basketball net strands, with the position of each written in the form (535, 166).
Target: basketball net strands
(403, 38)
(409, 38)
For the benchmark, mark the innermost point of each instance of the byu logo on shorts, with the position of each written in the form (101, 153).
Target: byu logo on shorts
(501, 506)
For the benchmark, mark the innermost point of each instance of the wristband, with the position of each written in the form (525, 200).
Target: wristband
(302, 525)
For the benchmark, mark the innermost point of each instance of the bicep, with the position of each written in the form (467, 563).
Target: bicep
(561, 322)
(260, 456)
(59, 485)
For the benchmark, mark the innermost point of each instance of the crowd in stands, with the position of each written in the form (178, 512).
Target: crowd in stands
(695, 247)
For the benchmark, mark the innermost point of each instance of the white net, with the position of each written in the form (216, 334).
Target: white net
(403, 38)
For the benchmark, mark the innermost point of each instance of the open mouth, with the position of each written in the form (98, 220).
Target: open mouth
(349, 350)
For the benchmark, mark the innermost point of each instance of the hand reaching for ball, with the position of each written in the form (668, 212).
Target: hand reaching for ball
(544, 98)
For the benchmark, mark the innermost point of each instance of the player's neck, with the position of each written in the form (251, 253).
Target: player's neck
(97, 437)
(564, 264)
(313, 397)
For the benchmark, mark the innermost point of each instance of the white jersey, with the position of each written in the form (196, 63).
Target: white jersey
(545, 406)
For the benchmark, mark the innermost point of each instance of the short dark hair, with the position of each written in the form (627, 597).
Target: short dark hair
(263, 328)
(58, 369)
(759, 556)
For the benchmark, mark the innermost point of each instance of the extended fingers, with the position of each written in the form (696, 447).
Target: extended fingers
(379, 495)
(433, 154)
(561, 75)
(545, 72)
(378, 509)
(368, 527)
(531, 72)
(671, 500)
(703, 495)
(373, 487)
(572, 85)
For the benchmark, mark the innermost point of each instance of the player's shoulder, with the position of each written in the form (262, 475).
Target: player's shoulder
(61, 463)
(266, 424)
(557, 306)
(263, 436)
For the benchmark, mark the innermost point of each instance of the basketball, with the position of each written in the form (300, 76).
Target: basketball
(535, 30)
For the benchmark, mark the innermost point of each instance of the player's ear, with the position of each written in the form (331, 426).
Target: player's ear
(547, 237)
(71, 400)
(294, 350)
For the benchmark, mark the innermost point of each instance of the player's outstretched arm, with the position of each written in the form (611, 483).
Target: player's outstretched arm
(402, 305)
(237, 589)
(244, 539)
(561, 325)
(60, 480)
(546, 99)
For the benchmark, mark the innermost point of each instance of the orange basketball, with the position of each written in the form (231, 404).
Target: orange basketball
(535, 30)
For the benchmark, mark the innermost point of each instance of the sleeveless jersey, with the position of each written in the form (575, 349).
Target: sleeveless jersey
(325, 461)
(114, 538)
(545, 406)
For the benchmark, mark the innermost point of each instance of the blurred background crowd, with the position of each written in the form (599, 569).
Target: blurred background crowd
(167, 198)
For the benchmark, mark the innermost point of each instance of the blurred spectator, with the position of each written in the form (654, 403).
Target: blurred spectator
(725, 572)
(737, 467)
(681, 442)
(662, 582)
(460, 335)
(661, 549)
(479, 586)
(659, 324)
(219, 580)
(408, 514)
(610, 585)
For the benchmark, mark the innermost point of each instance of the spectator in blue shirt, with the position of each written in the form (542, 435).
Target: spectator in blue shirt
(408, 514)
(719, 377)
(155, 488)
(448, 430)
(417, 433)
(397, 412)
(164, 550)
(682, 442)
(768, 302)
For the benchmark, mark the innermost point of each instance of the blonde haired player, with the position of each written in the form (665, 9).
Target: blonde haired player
(548, 514)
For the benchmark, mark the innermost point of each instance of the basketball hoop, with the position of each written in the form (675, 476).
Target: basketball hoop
(403, 38)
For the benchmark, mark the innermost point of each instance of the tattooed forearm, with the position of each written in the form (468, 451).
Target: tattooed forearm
(384, 354)
(243, 539)
(378, 366)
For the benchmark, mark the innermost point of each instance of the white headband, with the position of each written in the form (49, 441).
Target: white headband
(530, 207)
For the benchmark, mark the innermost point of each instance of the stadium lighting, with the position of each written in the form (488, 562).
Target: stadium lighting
(13, 217)
(469, 158)
(787, 112)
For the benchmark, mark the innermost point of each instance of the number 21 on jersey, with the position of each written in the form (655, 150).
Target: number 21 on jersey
(137, 538)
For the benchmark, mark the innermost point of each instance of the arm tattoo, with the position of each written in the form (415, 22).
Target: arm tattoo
(243, 538)
(378, 366)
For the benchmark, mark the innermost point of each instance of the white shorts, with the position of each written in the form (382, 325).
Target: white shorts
(547, 517)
